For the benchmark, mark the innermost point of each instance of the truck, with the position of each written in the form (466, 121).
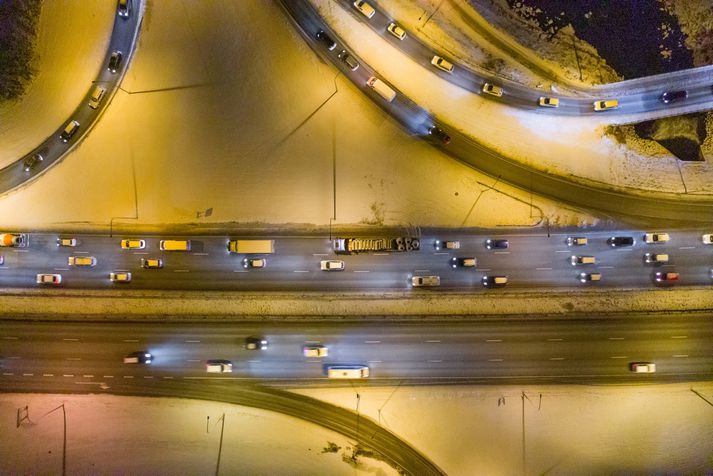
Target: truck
(17, 240)
(251, 246)
(364, 245)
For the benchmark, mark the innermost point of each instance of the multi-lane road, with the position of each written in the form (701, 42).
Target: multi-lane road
(531, 261)
(55, 356)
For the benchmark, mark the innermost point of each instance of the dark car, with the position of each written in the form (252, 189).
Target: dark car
(255, 343)
(616, 241)
(326, 40)
(496, 244)
(124, 8)
(31, 162)
(464, 262)
(673, 96)
(348, 60)
(142, 357)
(115, 61)
(440, 134)
(494, 281)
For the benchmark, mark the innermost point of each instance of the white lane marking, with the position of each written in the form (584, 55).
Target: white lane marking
(434, 361)
(493, 340)
(562, 251)
(61, 269)
(619, 357)
(167, 377)
(433, 341)
(686, 247)
(88, 376)
(381, 254)
(68, 375)
(180, 271)
(313, 361)
(130, 340)
(191, 341)
(74, 358)
(543, 269)
(107, 376)
(373, 361)
(422, 271)
(361, 270)
(14, 357)
(20, 251)
(679, 337)
(9, 338)
(199, 254)
(254, 361)
(625, 249)
(372, 342)
(141, 252)
(300, 271)
(192, 360)
(495, 360)
(128, 376)
(556, 358)
(8, 373)
(320, 254)
(48, 375)
(240, 271)
(554, 340)
(81, 252)
(312, 342)
(440, 252)
(606, 267)
(148, 376)
(502, 252)
(28, 375)
(680, 356)
(484, 269)
(71, 340)
(615, 338)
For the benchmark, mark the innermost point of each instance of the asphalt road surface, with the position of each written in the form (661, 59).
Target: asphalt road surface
(531, 261)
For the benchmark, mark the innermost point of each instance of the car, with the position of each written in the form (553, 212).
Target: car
(120, 277)
(396, 30)
(494, 281)
(707, 239)
(2, 259)
(446, 245)
(606, 105)
(655, 258)
(642, 367)
(151, 263)
(577, 260)
(492, 89)
(439, 133)
(82, 261)
(673, 96)
(313, 350)
(497, 244)
(255, 343)
(589, 277)
(660, 277)
(123, 8)
(545, 101)
(348, 60)
(130, 244)
(617, 241)
(96, 97)
(142, 357)
(254, 263)
(71, 242)
(420, 281)
(463, 262)
(31, 162)
(331, 265)
(326, 40)
(576, 241)
(365, 9)
(442, 64)
(218, 366)
(656, 237)
(69, 131)
(49, 279)
(115, 61)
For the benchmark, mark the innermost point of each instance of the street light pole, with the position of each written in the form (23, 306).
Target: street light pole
(220, 447)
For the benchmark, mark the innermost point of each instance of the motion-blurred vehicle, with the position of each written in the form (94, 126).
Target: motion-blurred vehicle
(142, 357)
(576, 241)
(440, 134)
(707, 239)
(661, 277)
(548, 102)
(497, 244)
(255, 343)
(124, 8)
(82, 261)
(71, 242)
(115, 61)
(31, 162)
(218, 366)
(589, 277)
(673, 96)
(617, 241)
(582, 260)
(655, 258)
(642, 367)
(331, 265)
(326, 40)
(420, 281)
(315, 350)
(494, 281)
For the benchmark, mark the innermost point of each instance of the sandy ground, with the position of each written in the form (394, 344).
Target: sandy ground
(120, 435)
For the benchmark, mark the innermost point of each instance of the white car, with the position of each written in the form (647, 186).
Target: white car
(396, 30)
(548, 102)
(492, 89)
(643, 367)
(656, 237)
(315, 351)
(442, 64)
(218, 366)
(331, 265)
(366, 9)
(49, 279)
(120, 277)
(418, 281)
(707, 239)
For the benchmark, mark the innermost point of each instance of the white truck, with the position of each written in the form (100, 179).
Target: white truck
(366, 245)
(251, 246)
(17, 240)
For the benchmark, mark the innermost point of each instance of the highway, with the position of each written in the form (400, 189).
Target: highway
(531, 261)
(71, 356)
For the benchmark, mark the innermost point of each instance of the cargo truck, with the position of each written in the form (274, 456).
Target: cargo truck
(18, 240)
(366, 245)
(251, 246)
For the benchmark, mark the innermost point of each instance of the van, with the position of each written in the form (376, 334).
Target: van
(175, 245)
(347, 371)
(69, 131)
(381, 88)
(96, 97)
